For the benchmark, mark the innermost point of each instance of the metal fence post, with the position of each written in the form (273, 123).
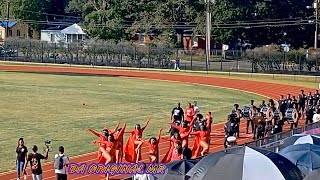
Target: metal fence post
(42, 52)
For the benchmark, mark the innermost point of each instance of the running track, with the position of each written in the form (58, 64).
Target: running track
(217, 137)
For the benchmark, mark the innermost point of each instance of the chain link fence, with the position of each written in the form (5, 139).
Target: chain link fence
(127, 54)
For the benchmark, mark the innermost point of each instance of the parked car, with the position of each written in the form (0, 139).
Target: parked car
(9, 53)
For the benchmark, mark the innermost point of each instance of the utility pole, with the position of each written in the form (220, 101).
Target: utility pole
(7, 19)
(208, 34)
(315, 5)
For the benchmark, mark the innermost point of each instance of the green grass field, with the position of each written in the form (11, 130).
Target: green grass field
(47, 106)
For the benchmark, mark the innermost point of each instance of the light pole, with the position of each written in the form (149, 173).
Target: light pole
(315, 7)
(208, 33)
(316, 31)
(7, 19)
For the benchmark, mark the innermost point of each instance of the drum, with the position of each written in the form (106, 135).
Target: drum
(289, 115)
(246, 111)
(264, 110)
(276, 114)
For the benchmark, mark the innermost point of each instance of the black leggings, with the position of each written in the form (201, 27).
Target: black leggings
(248, 124)
(293, 125)
(308, 121)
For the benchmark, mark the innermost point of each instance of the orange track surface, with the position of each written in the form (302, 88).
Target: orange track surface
(217, 136)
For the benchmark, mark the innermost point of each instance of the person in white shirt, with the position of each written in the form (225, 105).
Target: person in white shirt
(196, 107)
(144, 176)
(316, 117)
(60, 165)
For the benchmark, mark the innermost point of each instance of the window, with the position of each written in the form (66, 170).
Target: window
(52, 37)
(18, 33)
(10, 33)
(80, 37)
(68, 37)
(0, 34)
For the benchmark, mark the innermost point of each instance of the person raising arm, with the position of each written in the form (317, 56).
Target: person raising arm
(153, 144)
(132, 148)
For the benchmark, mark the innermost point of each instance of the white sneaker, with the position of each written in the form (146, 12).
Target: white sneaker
(18, 178)
(25, 177)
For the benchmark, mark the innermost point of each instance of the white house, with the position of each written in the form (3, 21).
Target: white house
(69, 34)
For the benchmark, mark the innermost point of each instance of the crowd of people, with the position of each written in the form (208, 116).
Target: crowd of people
(267, 119)
(34, 159)
(262, 120)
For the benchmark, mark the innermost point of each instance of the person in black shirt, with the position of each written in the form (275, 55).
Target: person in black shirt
(316, 96)
(35, 163)
(21, 151)
(177, 113)
(263, 104)
(310, 99)
(229, 128)
(302, 100)
(282, 104)
(309, 114)
(289, 102)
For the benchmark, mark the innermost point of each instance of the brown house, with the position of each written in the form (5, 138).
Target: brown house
(17, 30)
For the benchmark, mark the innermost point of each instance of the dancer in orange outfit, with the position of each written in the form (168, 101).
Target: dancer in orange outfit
(102, 154)
(115, 129)
(177, 152)
(209, 125)
(110, 150)
(153, 144)
(132, 148)
(200, 145)
(119, 132)
(184, 132)
(174, 140)
(119, 138)
(189, 114)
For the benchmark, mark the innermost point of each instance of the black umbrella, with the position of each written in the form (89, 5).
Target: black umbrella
(245, 163)
(177, 169)
(301, 139)
(314, 175)
(305, 156)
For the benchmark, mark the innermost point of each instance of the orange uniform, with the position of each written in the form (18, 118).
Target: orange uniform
(189, 113)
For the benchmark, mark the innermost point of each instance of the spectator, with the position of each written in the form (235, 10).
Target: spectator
(177, 114)
(177, 64)
(35, 163)
(60, 164)
(144, 176)
(187, 153)
(316, 117)
(21, 151)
